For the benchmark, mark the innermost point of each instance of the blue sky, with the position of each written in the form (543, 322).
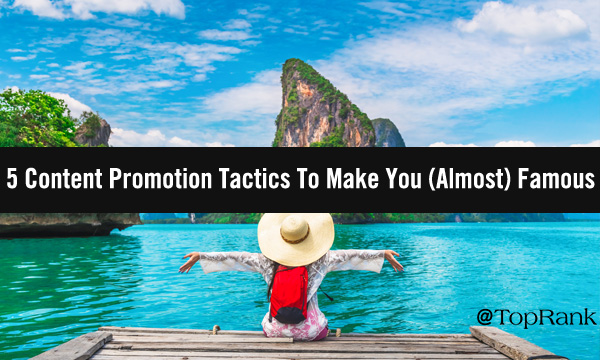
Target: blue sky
(192, 73)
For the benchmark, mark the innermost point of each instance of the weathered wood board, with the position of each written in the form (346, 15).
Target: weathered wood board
(80, 348)
(510, 345)
(123, 343)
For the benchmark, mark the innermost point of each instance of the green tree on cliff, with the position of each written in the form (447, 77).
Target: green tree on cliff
(35, 119)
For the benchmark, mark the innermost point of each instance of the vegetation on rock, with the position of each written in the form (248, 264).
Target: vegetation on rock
(387, 134)
(35, 119)
(229, 218)
(335, 139)
(91, 122)
(320, 99)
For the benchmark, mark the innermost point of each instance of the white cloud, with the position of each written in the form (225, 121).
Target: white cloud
(14, 76)
(122, 137)
(255, 13)
(218, 144)
(179, 142)
(259, 98)
(508, 143)
(39, 77)
(323, 24)
(23, 58)
(54, 41)
(595, 143)
(394, 8)
(224, 35)
(15, 50)
(11, 88)
(43, 8)
(430, 78)
(129, 23)
(294, 31)
(84, 9)
(76, 107)
(443, 144)
(515, 143)
(145, 85)
(512, 143)
(152, 138)
(237, 24)
(528, 24)
(124, 57)
(80, 68)
(166, 65)
(201, 56)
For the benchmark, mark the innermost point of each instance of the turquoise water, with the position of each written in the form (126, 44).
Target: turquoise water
(53, 290)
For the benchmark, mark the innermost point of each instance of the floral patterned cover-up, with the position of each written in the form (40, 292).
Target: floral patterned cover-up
(333, 260)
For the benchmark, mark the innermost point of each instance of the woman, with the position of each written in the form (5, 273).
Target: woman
(295, 240)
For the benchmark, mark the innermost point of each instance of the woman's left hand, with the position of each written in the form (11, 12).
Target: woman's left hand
(194, 257)
(389, 256)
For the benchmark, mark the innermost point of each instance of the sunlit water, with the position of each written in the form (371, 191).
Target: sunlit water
(53, 290)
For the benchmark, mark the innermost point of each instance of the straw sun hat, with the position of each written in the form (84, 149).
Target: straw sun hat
(295, 239)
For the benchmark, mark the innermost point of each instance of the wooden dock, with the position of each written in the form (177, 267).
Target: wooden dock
(124, 343)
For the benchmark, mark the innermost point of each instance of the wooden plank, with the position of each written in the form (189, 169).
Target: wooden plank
(200, 338)
(80, 348)
(319, 356)
(408, 335)
(107, 354)
(305, 347)
(510, 345)
(203, 335)
(118, 336)
(115, 329)
(403, 339)
(177, 331)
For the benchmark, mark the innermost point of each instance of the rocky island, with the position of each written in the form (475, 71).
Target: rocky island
(93, 131)
(20, 225)
(315, 113)
(387, 134)
(36, 119)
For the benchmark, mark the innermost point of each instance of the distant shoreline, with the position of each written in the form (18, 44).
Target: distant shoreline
(362, 218)
(186, 221)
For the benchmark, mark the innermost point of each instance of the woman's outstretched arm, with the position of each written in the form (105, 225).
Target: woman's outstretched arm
(370, 260)
(226, 261)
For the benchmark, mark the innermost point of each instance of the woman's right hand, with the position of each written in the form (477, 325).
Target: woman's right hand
(194, 257)
(389, 256)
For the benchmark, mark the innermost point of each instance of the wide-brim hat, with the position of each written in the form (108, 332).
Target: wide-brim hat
(295, 239)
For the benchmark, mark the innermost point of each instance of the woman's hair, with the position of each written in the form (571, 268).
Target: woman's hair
(275, 266)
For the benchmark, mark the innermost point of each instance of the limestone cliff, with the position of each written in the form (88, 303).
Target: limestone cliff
(315, 113)
(94, 130)
(387, 134)
(18, 225)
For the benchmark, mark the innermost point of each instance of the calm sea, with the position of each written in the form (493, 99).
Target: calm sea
(53, 290)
